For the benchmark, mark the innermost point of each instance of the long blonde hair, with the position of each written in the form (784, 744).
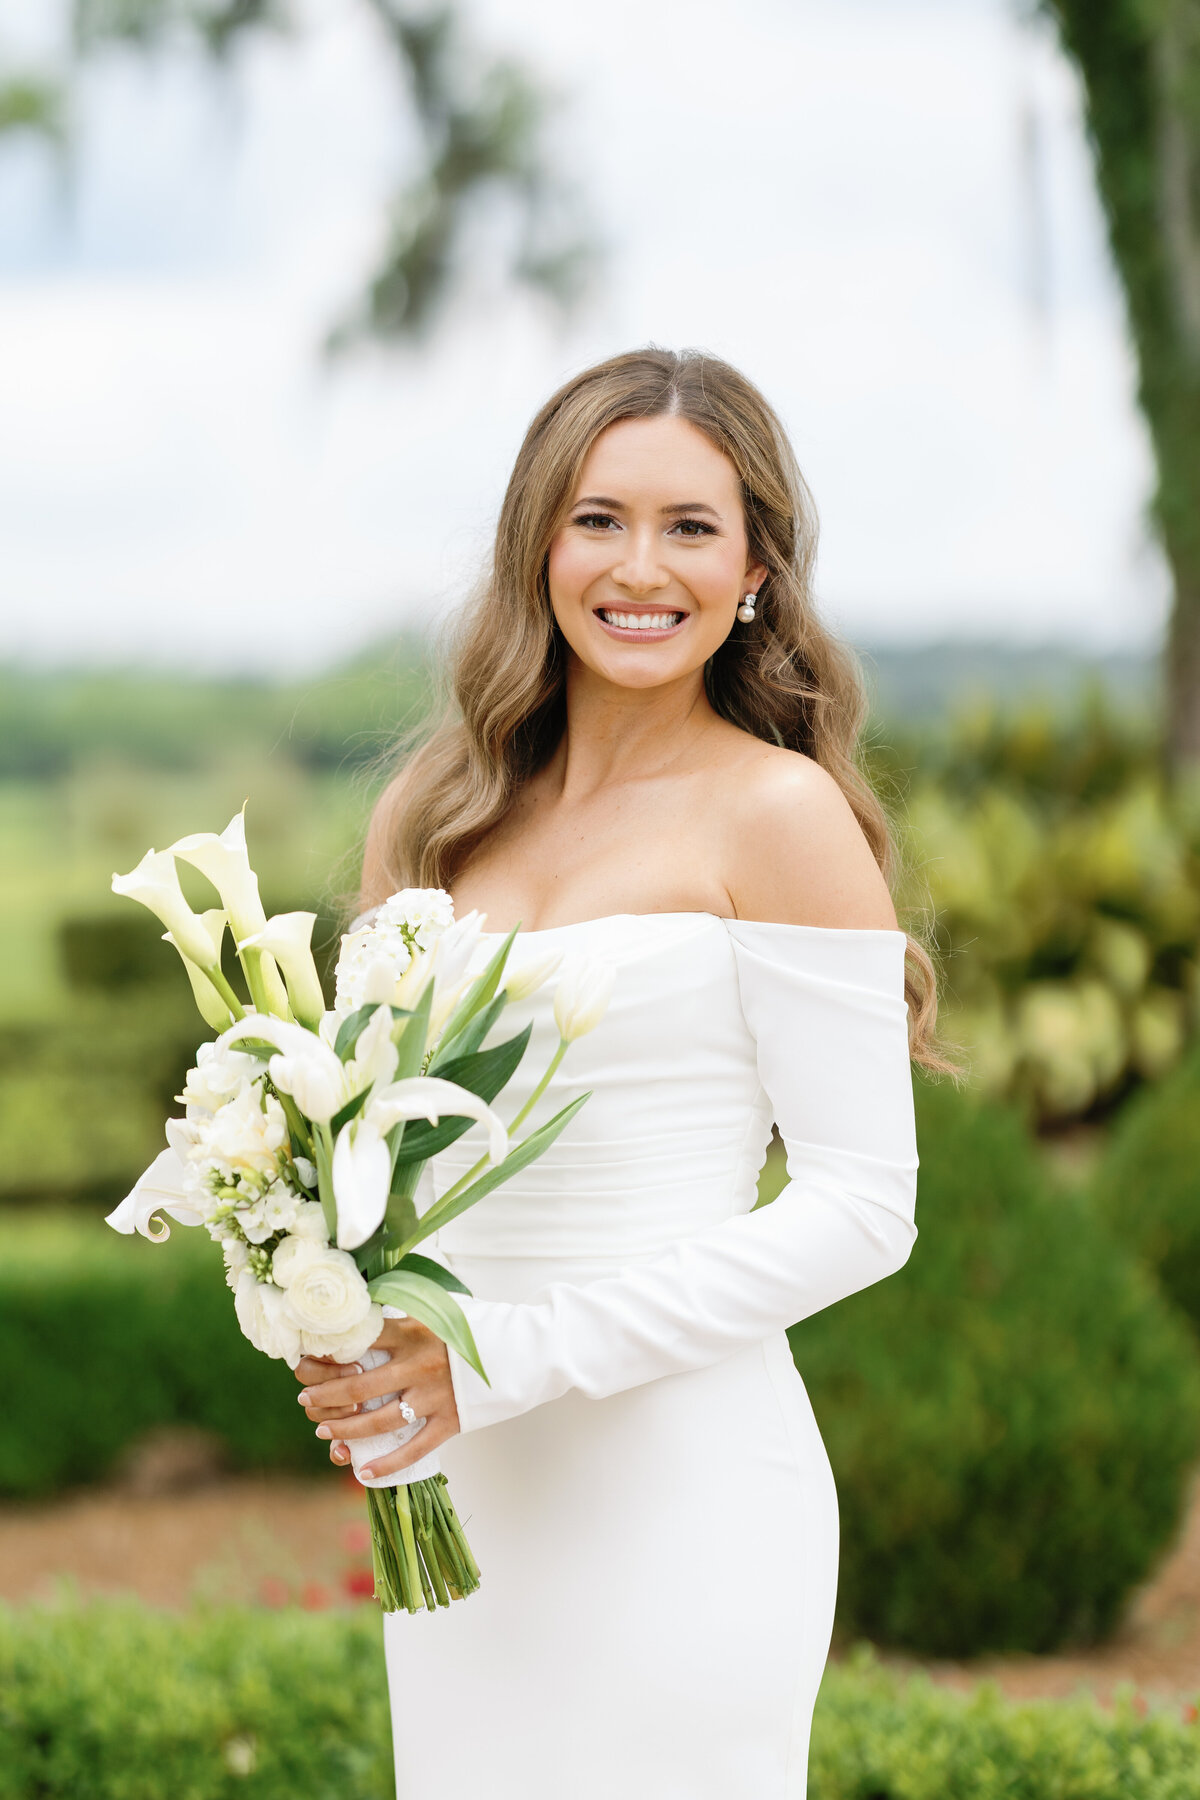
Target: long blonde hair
(784, 679)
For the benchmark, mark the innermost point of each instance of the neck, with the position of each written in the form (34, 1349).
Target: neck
(615, 734)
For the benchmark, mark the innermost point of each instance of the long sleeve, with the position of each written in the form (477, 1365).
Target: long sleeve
(827, 1012)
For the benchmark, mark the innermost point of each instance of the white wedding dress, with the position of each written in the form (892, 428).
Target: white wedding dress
(643, 1483)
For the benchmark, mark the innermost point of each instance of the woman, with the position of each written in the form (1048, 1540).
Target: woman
(651, 761)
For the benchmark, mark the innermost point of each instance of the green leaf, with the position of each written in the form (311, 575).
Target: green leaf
(527, 1151)
(436, 1271)
(428, 1301)
(478, 996)
(470, 1037)
(351, 1110)
(351, 1029)
(484, 1072)
(322, 1158)
(412, 1041)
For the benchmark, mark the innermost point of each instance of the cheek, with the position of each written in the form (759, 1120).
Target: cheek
(572, 564)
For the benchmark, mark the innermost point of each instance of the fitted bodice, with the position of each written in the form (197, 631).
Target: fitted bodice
(674, 1134)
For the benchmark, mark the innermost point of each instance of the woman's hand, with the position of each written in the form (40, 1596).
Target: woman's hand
(418, 1368)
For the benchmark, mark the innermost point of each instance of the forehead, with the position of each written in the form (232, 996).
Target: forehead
(661, 460)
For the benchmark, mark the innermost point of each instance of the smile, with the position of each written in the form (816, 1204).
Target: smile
(640, 624)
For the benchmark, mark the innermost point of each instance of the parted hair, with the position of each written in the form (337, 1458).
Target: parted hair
(785, 679)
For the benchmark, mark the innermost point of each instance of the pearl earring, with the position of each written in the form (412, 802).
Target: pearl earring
(745, 611)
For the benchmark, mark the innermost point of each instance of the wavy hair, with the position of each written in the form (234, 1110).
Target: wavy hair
(785, 679)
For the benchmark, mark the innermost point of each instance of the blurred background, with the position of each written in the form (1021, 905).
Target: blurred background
(281, 283)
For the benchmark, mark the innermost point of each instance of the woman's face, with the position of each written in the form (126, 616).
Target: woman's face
(650, 565)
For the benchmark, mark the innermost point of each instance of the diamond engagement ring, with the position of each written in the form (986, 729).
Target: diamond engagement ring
(407, 1413)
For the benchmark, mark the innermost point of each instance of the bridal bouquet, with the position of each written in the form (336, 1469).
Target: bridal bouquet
(306, 1134)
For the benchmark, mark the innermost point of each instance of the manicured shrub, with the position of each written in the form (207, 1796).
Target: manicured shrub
(109, 1338)
(110, 1702)
(1148, 1187)
(1011, 1418)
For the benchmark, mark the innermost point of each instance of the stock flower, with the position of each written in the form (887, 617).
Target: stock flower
(155, 885)
(584, 990)
(288, 938)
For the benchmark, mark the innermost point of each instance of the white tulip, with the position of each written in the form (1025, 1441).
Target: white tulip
(582, 997)
(155, 884)
(530, 975)
(375, 1054)
(288, 938)
(306, 1067)
(165, 1187)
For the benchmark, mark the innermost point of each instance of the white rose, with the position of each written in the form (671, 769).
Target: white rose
(262, 1313)
(326, 1293)
(346, 1346)
(294, 1254)
(221, 1074)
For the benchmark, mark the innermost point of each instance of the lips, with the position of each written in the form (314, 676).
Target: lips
(642, 622)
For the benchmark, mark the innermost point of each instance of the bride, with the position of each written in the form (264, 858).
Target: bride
(650, 761)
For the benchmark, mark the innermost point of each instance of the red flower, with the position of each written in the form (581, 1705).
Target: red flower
(360, 1583)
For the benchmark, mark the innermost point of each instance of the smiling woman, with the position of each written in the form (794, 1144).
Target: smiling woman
(651, 761)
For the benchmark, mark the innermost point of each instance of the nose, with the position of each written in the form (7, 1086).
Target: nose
(639, 570)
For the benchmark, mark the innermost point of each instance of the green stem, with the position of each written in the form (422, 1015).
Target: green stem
(539, 1090)
(237, 1010)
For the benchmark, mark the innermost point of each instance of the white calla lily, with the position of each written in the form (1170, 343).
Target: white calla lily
(225, 862)
(160, 1189)
(288, 938)
(212, 1007)
(581, 1000)
(362, 1161)
(155, 884)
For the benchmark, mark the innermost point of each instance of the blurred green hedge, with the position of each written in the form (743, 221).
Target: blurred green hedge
(1011, 1418)
(114, 1338)
(1148, 1186)
(110, 1702)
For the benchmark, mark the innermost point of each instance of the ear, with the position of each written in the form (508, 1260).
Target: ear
(752, 580)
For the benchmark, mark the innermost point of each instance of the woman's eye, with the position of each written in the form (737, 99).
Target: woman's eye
(594, 519)
(694, 528)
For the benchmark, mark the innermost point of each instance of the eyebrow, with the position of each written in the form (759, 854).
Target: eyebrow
(678, 506)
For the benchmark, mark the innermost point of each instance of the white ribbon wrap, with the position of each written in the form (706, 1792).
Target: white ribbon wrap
(364, 1451)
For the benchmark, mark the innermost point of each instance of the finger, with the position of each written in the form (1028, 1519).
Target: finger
(313, 1369)
(429, 1439)
(317, 1413)
(352, 1390)
(370, 1424)
(339, 1454)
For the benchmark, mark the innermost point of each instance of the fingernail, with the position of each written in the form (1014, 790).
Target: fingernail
(323, 1431)
(339, 1452)
(356, 1368)
(366, 1474)
(304, 1398)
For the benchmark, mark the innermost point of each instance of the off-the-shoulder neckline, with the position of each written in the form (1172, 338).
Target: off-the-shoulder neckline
(871, 931)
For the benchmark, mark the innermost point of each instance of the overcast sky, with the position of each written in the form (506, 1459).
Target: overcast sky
(881, 209)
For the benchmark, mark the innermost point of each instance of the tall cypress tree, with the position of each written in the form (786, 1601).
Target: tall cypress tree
(1140, 65)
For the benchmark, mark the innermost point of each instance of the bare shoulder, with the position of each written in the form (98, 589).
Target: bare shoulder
(797, 854)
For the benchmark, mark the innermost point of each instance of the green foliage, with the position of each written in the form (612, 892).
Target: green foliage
(1148, 1186)
(110, 1702)
(82, 1311)
(1011, 1418)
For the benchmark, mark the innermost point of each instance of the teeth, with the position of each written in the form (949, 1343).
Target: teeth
(640, 621)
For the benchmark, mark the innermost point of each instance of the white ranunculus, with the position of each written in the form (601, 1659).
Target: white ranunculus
(292, 1255)
(584, 990)
(345, 1346)
(265, 1318)
(288, 938)
(325, 1291)
(165, 1187)
(155, 884)
(220, 1074)
(310, 1222)
(530, 974)
(247, 1133)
